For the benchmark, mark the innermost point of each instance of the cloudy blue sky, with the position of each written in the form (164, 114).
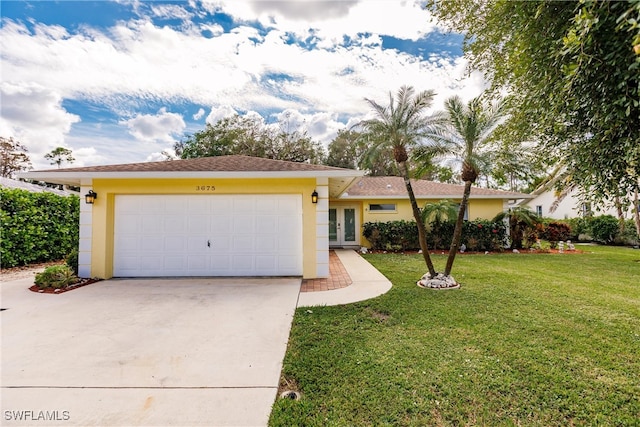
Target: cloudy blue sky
(121, 81)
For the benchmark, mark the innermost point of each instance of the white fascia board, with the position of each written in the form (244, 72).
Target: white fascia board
(78, 177)
(435, 196)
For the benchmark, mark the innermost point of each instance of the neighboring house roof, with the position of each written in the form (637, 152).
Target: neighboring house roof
(204, 167)
(393, 187)
(34, 188)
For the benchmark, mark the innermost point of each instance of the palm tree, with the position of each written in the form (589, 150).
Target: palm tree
(401, 126)
(519, 219)
(466, 136)
(439, 211)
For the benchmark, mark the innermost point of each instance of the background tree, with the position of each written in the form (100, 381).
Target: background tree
(572, 76)
(13, 157)
(249, 136)
(345, 149)
(59, 155)
(399, 127)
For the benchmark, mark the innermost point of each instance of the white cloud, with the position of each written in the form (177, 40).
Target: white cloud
(321, 127)
(160, 127)
(33, 115)
(219, 113)
(199, 114)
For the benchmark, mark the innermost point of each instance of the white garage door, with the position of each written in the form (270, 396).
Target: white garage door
(208, 235)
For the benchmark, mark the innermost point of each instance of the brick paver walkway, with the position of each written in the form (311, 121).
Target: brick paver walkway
(338, 277)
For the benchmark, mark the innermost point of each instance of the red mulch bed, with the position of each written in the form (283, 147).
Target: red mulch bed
(506, 251)
(81, 283)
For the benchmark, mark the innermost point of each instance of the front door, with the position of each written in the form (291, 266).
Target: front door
(343, 226)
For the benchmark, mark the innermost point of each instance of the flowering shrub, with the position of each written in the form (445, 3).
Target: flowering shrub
(556, 232)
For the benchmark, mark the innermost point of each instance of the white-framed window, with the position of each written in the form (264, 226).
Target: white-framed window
(382, 207)
(466, 211)
(539, 210)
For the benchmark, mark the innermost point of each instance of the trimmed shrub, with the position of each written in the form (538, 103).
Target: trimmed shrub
(57, 276)
(392, 235)
(479, 235)
(37, 227)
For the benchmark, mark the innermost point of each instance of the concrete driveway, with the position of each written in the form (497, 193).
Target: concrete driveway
(145, 352)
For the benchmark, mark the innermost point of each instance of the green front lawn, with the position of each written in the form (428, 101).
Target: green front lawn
(530, 339)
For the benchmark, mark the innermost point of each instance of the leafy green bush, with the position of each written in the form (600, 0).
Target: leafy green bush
(604, 228)
(479, 235)
(37, 227)
(579, 226)
(72, 261)
(392, 235)
(57, 276)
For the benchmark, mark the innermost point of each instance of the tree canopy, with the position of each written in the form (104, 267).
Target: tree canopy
(13, 157)
(60, 155)
(249, 136)
(572, 76)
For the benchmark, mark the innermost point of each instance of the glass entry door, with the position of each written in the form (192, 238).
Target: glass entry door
(343, 226)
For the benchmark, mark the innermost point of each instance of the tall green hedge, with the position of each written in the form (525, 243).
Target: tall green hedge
(478, 235)
(36, 227)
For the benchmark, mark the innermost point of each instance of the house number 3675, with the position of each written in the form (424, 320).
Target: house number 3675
(205, 188)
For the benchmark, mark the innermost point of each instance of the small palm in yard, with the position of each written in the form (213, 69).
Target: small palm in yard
(438, 212)
(519, 220)
(401, 126)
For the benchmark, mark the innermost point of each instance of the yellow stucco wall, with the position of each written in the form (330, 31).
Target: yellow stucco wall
(107, 189)
(478, 209)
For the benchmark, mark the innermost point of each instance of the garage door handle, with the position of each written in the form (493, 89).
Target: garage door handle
(209, 243)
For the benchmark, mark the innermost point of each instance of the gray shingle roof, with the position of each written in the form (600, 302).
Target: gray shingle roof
(393, 186)
(206, 164)
(34, 188)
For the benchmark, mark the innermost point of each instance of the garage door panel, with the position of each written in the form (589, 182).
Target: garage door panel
(266, 243)
(242, 243)
(243, 224)
(152, 205)
(220, 225)
(175, 263)
(175, 224)
(198, 223)
(175, 244)
(221, 265)
(151, 263)
(153, 224)
(167, 235)
(151, 243)
(197, 263)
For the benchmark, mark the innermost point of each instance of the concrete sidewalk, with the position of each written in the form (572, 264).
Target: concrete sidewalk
(367, 283)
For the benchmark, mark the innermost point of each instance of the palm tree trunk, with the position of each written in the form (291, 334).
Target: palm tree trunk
(422, 232)
(636, 211)
(457, 232)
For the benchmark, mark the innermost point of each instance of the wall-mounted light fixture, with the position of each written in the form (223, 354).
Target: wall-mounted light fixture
(90, 197)
(314, 197)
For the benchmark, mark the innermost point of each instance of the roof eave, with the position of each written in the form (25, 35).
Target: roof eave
(439, 197)
(84, 178)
